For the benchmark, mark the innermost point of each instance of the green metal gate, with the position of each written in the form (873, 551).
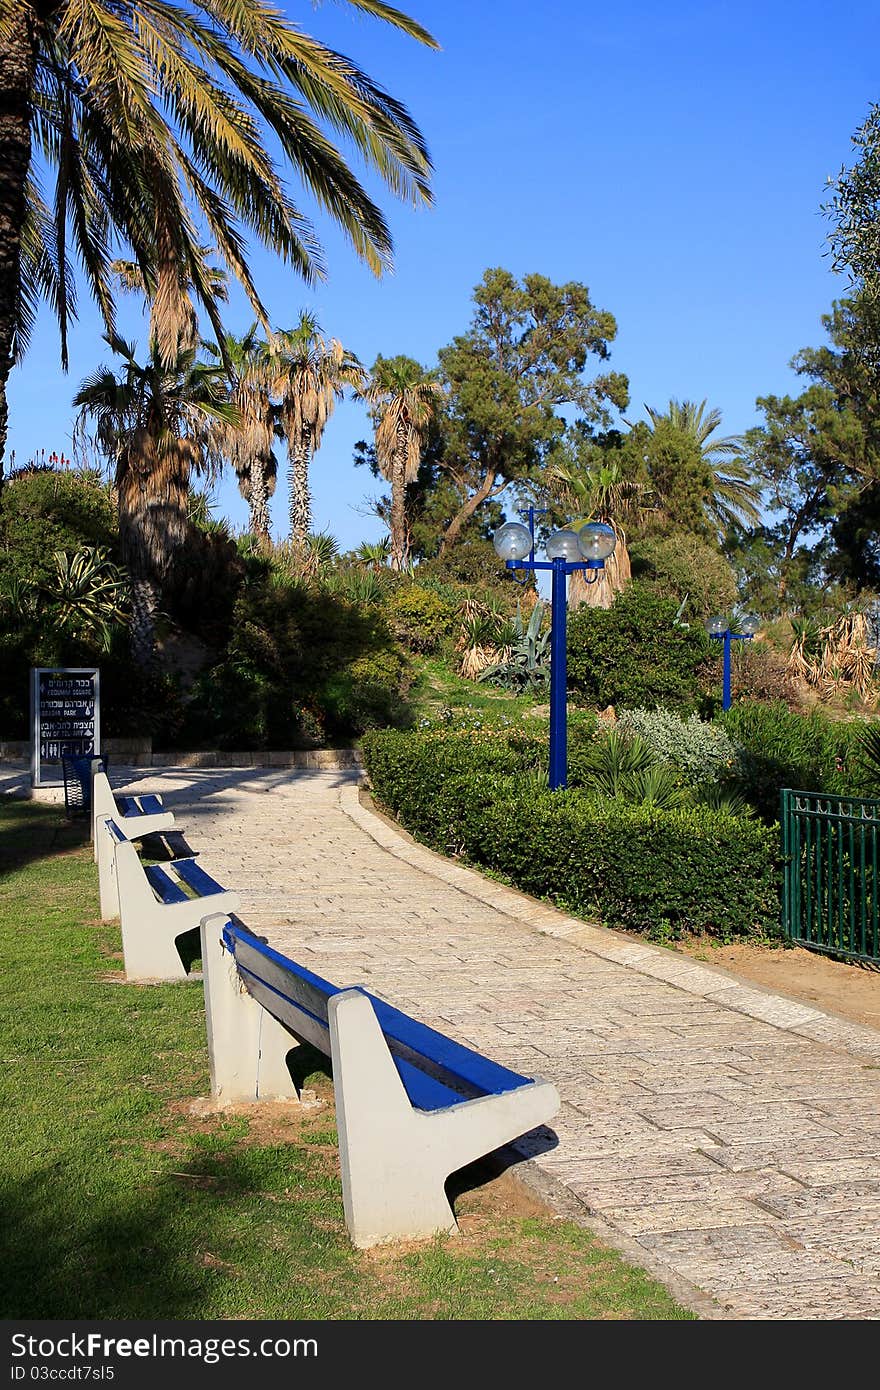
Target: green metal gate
(831, 890)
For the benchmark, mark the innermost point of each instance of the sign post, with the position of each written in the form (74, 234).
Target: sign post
(65, 718)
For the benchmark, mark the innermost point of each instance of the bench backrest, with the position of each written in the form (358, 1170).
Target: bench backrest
(436, 1071)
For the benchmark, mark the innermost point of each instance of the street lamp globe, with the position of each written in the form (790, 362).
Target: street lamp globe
(563, 545)
(512, 541)
(748, 626)
(596, 541)
(717, 626)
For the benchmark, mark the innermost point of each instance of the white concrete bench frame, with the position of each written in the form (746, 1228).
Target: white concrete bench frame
(153, 907)
(395, 1157)
(135, 815)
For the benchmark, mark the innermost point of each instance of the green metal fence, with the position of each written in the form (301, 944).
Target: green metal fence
(831, 890)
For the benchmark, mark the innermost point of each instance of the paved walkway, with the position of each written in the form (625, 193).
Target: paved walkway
(724, 1137)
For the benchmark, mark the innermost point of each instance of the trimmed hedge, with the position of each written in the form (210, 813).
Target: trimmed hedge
(660, 872)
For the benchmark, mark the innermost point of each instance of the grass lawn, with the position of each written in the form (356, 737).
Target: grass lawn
(126, 1196)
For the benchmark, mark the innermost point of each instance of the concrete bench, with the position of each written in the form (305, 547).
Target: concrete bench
(136, 816)
(157, 903)
(412, 1105)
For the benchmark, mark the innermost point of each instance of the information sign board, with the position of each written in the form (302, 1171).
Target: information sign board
(65, 718)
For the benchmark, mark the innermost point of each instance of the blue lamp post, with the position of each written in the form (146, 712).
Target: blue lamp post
(567, 551)
(719, 629)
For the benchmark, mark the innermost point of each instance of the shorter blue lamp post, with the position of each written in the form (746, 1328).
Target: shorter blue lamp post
(567, 551)
(720, 630)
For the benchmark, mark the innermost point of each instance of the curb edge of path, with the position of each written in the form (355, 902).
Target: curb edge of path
(702, 981)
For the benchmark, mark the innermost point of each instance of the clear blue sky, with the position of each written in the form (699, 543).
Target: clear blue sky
(672, 158)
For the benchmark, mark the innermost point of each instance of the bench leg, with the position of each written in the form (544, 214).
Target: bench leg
(109, 894)
(395, 1160)
(247, 1047)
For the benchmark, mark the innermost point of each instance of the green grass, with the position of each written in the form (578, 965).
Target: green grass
(121, 1202)
(438, 686)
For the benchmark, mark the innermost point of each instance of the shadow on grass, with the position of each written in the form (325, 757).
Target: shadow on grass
(31, 831)
(63, 1255)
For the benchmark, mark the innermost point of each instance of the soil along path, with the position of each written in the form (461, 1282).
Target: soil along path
(724, 1137)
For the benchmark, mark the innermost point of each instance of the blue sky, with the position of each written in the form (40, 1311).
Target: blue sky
(672, 158)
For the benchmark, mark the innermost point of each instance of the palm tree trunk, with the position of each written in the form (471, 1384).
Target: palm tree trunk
(397, 518)
(259, 501)
(17, 67)
(602, 591)
(300, 496)
(144, 606)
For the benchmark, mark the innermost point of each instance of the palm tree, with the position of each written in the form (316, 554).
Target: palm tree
(308, 377)
(157, 426)
(247, 441)
(402, 398)
(733, 495)
(154, 119)
(601, 493)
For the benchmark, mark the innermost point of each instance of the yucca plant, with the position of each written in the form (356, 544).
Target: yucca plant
(482, 637)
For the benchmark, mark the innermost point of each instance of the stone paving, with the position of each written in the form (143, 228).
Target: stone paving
(724, 1137)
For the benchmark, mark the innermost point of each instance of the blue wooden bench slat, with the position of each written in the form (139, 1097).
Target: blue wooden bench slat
(488, 1077)
(127, 806)
(115, 831)
(151, 805)
(163, 886)
(195, 876)
(422, 1046)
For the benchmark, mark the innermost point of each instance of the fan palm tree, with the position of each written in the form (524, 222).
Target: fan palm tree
(156, 118)
(734, 495)
(308, 376)
(402, 398)
(246, 442)
(157, 425)
(601, 493)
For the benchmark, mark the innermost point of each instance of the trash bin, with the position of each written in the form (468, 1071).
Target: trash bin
(77, 768)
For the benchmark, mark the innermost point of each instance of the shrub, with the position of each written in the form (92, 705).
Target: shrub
(633, 653)
(692, 869)
(42, 511)
(299, 661)
(421, 618)
(758, 672)
(779, 748)
(702, 752)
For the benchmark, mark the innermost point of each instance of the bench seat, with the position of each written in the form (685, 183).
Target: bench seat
(435, 1070)
(412, 1105)
(157, 903)
(135, 817)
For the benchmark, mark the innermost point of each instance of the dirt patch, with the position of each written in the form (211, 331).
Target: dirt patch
(835, 986)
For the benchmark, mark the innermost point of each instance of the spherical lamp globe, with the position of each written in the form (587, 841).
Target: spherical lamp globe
(512, 541)
(596, 541)
(563, 545)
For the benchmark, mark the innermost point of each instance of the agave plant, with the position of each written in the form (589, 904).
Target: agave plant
(89, 595)
(526, 666)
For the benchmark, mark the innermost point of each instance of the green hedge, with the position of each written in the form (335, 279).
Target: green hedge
(660, 872)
